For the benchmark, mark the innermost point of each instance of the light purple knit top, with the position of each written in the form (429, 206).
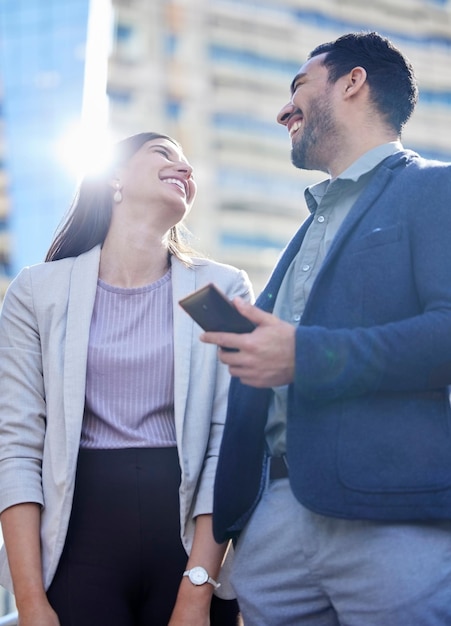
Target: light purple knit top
(130, 368)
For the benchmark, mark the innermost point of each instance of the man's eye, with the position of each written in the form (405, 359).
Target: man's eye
(163, 152)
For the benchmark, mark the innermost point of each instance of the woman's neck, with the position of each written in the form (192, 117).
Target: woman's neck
(125, 263)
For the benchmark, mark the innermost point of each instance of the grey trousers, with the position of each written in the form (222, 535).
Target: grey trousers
(294, 568)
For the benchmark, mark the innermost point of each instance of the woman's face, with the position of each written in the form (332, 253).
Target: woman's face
(159, 175)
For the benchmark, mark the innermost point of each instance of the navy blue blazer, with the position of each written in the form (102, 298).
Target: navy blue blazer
(368, 418)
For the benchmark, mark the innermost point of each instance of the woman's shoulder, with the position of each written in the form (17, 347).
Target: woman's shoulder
(208, 263)
(44, 273)
(229, 278)
(217, 269)
(46, 276)
(35, 274)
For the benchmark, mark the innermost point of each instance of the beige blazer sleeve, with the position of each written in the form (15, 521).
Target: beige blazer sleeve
(44, 332)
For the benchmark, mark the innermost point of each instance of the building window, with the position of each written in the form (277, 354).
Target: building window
(119, 96)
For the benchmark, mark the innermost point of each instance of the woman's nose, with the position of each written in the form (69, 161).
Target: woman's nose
(185, 168)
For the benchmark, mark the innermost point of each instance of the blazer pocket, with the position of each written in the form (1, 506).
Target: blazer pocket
(379, 237)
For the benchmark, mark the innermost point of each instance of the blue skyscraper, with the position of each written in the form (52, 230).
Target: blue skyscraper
(42, 72)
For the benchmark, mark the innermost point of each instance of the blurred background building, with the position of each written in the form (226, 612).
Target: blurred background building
(211, 73)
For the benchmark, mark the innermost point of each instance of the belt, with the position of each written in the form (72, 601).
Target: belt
(278, 467)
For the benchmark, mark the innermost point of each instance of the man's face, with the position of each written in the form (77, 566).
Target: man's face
(309, 117)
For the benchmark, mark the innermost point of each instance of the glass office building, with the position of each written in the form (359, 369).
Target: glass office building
(214, 74)
(42, 73)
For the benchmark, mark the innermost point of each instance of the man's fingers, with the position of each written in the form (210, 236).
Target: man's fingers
(253, 313)
(226, 341)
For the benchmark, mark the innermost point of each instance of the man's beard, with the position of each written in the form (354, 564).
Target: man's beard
(312, 150)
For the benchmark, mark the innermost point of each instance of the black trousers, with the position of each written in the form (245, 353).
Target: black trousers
(123, 558)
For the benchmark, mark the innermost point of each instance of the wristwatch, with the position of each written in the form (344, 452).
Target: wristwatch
(199, 576)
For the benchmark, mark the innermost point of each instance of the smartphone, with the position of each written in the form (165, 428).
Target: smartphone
(213, 311)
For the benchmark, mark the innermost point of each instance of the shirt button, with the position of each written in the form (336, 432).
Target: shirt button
(296, 318)
(305, 268)
(321, 218)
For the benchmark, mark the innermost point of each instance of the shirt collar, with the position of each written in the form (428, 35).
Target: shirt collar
(369, 160)
(361, 166)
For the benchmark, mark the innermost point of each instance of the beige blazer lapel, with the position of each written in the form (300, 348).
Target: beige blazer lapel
(183, 283)
(82, 292)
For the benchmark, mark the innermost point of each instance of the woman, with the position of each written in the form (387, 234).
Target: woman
(112, 411)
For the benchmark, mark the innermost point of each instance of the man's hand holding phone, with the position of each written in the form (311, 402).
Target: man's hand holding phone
(263, 357)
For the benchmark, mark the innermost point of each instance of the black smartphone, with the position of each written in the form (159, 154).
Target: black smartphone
(213, 311)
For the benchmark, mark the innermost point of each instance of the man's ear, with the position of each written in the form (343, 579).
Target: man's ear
(354, 81)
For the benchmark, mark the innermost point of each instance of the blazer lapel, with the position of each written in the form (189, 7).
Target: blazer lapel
(369, 196)
(183, 283)
(267, 298)
(82, 292)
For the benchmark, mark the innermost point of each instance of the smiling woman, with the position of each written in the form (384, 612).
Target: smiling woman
(96, 487)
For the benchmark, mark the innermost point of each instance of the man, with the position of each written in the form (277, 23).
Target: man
(346, 375)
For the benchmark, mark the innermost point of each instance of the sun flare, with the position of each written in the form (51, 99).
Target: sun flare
(85, 144)
(82, 150)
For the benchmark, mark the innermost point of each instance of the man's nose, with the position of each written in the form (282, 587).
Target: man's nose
(285, 113)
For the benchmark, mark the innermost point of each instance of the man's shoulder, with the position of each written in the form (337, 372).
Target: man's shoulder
(414, 161)
(413, 171)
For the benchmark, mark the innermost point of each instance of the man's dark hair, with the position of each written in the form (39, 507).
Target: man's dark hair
(390, 75)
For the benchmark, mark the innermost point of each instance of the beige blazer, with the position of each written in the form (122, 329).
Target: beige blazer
(44, 332)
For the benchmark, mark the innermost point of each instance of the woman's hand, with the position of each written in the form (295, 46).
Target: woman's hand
(20, 525)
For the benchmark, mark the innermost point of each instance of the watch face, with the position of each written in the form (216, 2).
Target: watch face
(198, 576)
